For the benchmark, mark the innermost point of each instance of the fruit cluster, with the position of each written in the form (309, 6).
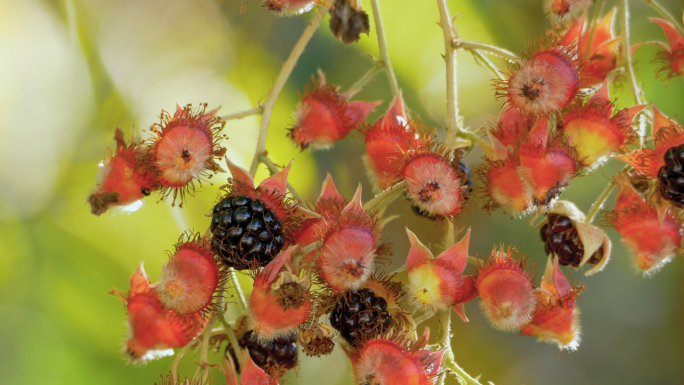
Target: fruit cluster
(324, 261)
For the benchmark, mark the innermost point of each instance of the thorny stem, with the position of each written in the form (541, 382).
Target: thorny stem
(279, 83)
(382, 47)
(488, 48)
(445, 341)
(665, 15)
(592, 27)
(634, 85)
(244, 113)
(600, 201)
(453, 121)
(263, 158)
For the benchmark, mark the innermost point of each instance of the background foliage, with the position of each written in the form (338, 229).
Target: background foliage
(73, 70)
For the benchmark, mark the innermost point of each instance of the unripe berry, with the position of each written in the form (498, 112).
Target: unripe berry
(185, 148)
(349, 248)
(190, 279)
(434, 182)
(506, 291)
(544, 83)
(386, 362)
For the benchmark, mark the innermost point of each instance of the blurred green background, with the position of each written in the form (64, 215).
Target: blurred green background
(71, 71)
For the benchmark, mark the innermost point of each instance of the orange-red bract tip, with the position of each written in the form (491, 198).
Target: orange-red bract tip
(556, 317)
(152, 329)
(123, 178)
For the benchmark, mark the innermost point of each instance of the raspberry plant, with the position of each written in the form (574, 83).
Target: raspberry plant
(320, 268)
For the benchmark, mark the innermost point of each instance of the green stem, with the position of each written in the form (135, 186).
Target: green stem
(244, 113)
(453, 120)
(492, 49)
(592, 26)
(263, 158)
(386, 197)
(634, 85)
(238, 289)
(364, 80)
(382, 48)
(600, 201)
(280, 81)
(487, 63)
(233, 341)
(665, 15)
(444, 319)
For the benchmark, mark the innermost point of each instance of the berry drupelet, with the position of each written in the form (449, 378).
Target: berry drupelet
(246, 233)
(671, 176)
(360, 315)
(279, 354)
(561, 237)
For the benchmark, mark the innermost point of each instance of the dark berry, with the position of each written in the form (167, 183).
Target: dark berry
(245, 233)
(360, 315)
(671, 176)
(561, 238)
(280, 353)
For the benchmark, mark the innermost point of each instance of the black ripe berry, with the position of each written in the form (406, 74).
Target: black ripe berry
(279, 354)
(561, 238)
(245, 233)
(360, 315)
(671, 176)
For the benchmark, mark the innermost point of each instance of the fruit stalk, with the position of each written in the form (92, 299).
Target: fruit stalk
(280, 81)
(382, 47)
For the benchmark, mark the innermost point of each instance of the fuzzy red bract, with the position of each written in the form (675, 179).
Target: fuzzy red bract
(506, 290)
(386, 362)
(433, 184)
(671, 57)
(598, 56)
(652, 237)
(185, 148)
(267, 317)
(349, 247)
(325, 116)
(544, 83)
(556, 318)
(122, 177)
(594, 133)
(386, 141)
(190, 279)
(437, 283)
(666, 133)
(152, 329)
